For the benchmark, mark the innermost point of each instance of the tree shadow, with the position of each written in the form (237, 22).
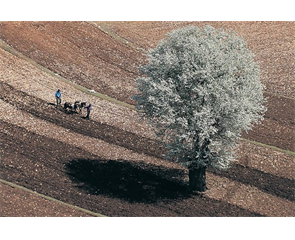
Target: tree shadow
(129, 180)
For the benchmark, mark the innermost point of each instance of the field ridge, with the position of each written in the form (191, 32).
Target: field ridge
(114, 159)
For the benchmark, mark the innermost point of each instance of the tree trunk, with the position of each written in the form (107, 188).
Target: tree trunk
(197, 179)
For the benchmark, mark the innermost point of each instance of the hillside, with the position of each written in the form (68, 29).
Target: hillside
(272, 43)
(113, 164)
(78, 51)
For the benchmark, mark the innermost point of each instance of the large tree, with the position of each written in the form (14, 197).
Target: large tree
(200, 89)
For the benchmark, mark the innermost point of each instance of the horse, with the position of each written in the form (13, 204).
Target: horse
(76, 107)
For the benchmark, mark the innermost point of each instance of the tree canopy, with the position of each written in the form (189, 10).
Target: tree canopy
(200, 89)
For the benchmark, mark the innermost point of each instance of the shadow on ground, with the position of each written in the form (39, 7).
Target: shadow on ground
(129, 180)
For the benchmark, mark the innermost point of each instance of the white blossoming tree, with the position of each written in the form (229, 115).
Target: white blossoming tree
(200, 90)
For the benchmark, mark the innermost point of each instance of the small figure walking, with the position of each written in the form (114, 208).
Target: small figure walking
(89, 108)
(58, 97)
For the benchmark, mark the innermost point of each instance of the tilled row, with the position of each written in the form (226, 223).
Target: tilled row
(98, 178)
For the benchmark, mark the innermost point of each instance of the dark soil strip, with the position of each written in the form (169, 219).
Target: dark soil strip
(100, 56)
(76, 123)
(112, 188)
(269, 183)
(260, 133)
(280, 114)
(118, 61)
(43, 110)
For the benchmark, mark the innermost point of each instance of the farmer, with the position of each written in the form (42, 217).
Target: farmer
(58, 97)
(89, 108)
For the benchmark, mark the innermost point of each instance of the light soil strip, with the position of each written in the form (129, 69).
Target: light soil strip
(220, 188)
(93, 145)
(35, 82)
(14, 52)
(23, 76)
(263, 159)
(248, 197)
(27, 203)
(266, 160)
(32, 80)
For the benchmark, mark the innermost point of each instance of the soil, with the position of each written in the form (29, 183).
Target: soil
(271, 42)
(278, 126)
(80, 52)
(85, 54)
(261, 184)
(16, 202)
(113, 188)
(78, 177)
(107, 133)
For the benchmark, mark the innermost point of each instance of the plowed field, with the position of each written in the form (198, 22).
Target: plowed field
(112, 164)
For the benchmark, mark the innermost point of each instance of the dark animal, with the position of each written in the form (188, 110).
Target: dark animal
(78, 106)
(68, 107)
(74, 108)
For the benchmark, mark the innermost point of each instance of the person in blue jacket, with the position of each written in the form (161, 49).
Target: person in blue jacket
(58, 97)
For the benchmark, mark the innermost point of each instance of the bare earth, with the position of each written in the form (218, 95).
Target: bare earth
(113, 164)
(16, 202)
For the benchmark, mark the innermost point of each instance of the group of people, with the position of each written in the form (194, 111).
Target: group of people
(58, 102)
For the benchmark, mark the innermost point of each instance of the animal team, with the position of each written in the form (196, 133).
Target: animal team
(76, 107)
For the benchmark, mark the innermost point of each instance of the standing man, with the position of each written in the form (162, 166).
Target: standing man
(58, 97)
(89, 108)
